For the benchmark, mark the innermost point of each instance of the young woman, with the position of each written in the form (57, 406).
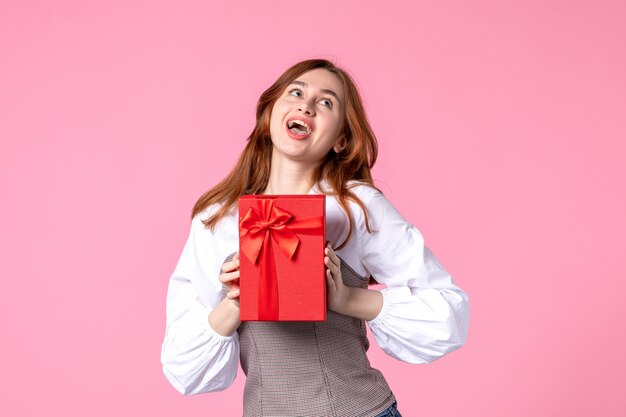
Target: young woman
(311, 136)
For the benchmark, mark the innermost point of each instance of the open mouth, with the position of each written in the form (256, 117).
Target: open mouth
(298, 127)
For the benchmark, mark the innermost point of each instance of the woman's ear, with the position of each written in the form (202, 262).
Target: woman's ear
(340, 144)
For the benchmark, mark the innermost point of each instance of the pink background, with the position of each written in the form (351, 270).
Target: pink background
(501, 127)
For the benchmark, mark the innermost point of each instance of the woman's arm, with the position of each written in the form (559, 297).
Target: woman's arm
(195, 357)
(424, 315)
(356, 302)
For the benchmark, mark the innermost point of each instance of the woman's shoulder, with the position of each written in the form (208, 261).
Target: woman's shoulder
(213, 209)
(364, 190)
(359, 187)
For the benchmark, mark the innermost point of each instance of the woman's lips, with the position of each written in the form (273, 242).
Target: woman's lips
(294, 135)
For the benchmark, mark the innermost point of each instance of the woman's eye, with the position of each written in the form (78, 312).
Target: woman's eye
(294, 90)
(329, 103)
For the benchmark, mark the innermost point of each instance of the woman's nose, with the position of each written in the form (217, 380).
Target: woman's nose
(306, 108)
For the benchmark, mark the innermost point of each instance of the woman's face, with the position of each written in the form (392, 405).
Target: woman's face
(316, 100)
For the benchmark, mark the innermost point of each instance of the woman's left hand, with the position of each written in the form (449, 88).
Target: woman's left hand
(338, 293)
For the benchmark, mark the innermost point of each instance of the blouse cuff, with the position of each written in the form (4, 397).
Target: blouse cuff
(389, 297)
(200, 331)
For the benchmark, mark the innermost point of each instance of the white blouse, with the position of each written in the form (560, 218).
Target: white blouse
(424, 314)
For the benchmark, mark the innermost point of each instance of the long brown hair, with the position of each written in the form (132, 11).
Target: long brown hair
(251, 173)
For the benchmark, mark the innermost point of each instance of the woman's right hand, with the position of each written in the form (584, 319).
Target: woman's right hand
(229, 276)
(224, 318)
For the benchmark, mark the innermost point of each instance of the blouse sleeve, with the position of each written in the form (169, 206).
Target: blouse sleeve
(195, 358)
(424, 314)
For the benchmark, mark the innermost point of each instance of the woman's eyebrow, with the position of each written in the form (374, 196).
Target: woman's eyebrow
(323, 90)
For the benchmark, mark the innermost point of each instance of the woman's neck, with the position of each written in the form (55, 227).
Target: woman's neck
(289, 177)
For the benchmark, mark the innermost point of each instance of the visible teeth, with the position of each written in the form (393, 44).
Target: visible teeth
(301, 123)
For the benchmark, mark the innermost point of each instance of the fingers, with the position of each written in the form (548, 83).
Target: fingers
(331, 260)
(229, 276)
(330, 281)
(333, 270)
(331, 254)
(232, 264)
(231, 295)
(231, 280)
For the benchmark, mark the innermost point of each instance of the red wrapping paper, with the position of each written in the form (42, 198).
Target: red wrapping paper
(281, 250)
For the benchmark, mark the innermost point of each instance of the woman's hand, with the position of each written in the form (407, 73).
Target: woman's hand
(338, 293)
(224, 318)
(361, 303)
(230, 277)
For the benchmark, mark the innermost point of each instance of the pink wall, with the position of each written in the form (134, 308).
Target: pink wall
(501, 129)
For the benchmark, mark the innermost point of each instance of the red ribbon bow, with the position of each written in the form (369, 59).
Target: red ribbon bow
(255, 228)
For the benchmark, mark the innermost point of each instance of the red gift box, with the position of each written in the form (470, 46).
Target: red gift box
(281, 250)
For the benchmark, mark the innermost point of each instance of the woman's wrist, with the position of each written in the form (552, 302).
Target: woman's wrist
(224, 319)
(362, 303)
